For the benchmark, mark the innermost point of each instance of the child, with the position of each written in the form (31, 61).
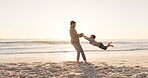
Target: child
(92, 41)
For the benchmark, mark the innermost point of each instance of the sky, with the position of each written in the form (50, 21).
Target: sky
(49, 19)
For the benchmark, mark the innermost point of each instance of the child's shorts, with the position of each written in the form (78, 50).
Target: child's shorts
(102, 46)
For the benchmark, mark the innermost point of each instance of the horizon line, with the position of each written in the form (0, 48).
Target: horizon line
(59, 39)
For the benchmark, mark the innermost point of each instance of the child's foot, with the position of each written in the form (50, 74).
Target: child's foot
(109, 44)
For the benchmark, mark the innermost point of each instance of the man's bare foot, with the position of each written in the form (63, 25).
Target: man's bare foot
(77, 61)
(86, 61)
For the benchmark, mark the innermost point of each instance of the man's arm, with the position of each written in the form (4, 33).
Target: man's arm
(75, 33)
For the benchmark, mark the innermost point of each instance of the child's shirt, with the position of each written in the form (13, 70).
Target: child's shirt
(91, 41)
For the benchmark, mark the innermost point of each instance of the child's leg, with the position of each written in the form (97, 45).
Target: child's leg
(110, 45)
(102, 46)
(105, 47)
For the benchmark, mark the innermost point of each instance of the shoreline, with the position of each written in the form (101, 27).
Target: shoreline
(111, 58)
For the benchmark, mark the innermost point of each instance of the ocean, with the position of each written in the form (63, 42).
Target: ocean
(20, 49)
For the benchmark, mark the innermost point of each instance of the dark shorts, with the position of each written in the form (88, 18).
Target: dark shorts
(102, 46)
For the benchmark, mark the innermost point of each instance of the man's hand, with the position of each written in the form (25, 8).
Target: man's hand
(81, 34)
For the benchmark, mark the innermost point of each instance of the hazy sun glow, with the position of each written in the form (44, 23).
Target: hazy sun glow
(71, 56)
(49, 19)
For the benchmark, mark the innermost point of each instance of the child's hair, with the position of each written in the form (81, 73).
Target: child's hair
(93, 36)
(72, 22)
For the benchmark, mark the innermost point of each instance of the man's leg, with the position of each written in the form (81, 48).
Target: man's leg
(78, 53)
(78, 56)
(82, 52)
(79, 49)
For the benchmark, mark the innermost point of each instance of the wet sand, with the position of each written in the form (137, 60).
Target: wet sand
(112, 58)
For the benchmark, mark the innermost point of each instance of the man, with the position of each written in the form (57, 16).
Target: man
(75, 41)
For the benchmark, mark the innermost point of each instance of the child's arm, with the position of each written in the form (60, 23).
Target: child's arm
(87, 38)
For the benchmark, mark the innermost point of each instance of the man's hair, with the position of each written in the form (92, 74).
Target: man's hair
(72, 22)
(93, 36)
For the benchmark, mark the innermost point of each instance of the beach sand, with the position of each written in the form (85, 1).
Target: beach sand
(70, 69)
(100, 65)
